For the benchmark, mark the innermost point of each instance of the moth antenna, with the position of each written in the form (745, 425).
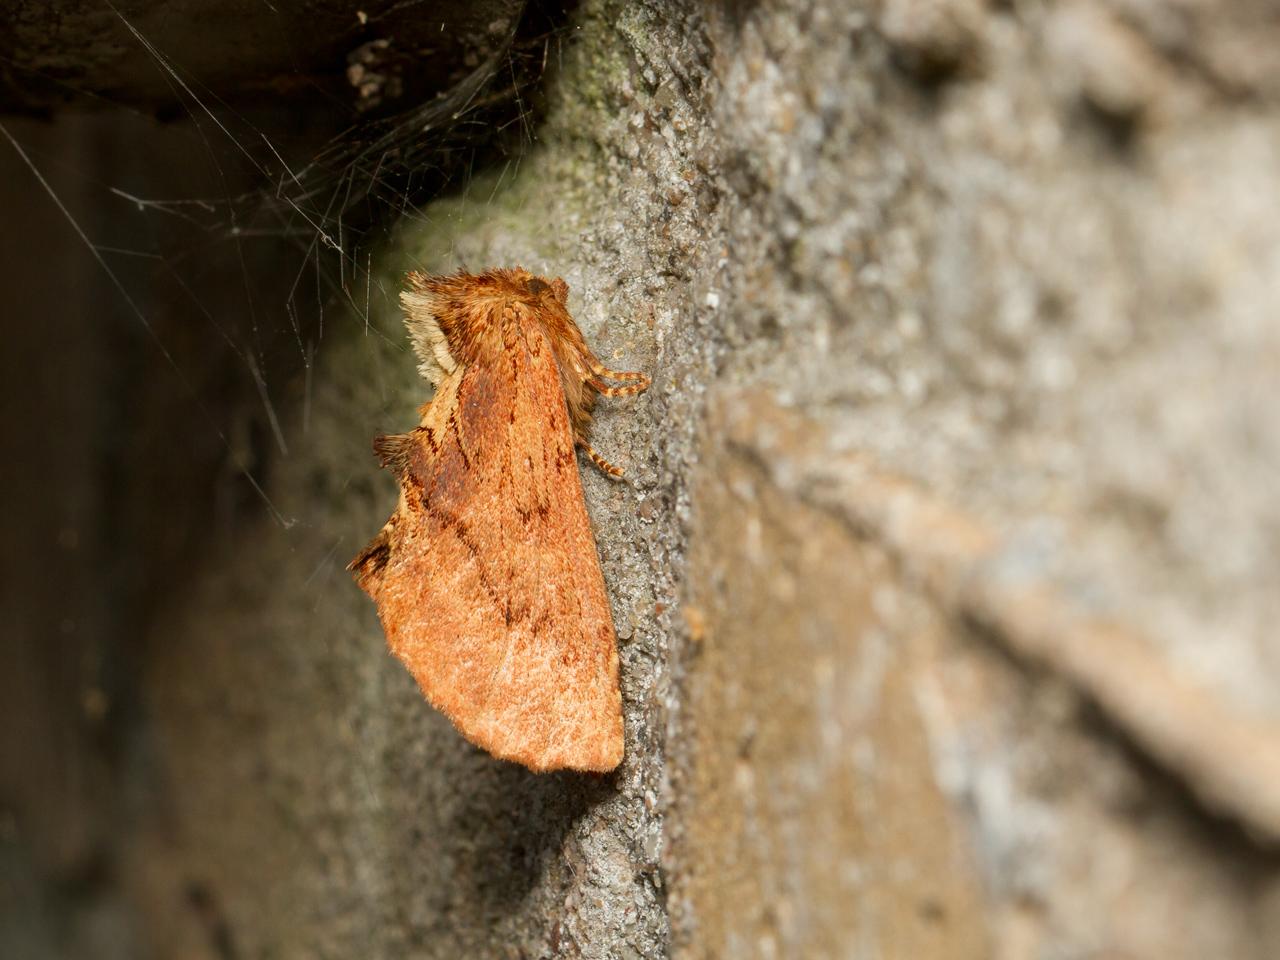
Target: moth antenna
(603, 465)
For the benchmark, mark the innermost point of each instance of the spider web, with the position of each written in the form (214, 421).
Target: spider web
(280, 219)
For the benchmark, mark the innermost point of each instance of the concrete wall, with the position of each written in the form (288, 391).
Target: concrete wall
(946, 561)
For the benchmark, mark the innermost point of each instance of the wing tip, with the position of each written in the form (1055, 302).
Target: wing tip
(599, 755)
(597, 749)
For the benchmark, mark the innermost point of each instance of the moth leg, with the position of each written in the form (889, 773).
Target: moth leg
(599, 370)
(628, 391)
(625, 375)
(603, 465)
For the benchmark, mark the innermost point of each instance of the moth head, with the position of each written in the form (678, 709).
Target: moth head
(453, 319)
(539, 288)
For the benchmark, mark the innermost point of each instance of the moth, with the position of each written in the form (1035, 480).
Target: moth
(486, 577)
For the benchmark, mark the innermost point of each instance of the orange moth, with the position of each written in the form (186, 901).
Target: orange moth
(486, 577)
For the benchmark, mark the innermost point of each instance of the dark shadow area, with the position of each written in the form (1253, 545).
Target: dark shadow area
(179, 245)
(516, 831)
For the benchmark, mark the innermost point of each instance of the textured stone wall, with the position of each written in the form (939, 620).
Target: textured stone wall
(946, 557)
(984, 542)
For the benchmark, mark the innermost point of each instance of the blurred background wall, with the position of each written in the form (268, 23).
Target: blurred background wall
(947, 563)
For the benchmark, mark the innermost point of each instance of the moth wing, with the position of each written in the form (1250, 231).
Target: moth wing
(491, 593)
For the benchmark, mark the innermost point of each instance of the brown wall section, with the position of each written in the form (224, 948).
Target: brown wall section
(870, 766)
(808, 820)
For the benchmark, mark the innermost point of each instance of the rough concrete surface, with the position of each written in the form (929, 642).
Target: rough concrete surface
(945, 565)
